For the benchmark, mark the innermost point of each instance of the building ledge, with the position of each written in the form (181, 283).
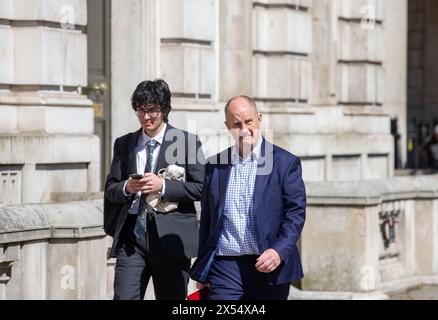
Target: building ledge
(51, 221)
(372, 192)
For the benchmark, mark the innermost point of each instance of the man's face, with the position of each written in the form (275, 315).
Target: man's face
(243, 122)
(150, 117)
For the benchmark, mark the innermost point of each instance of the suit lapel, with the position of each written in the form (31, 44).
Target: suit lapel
(224, 176)
(264, 170)
(167, 141)
(132, 154)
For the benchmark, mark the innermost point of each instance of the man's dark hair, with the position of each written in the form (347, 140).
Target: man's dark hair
(153, 92)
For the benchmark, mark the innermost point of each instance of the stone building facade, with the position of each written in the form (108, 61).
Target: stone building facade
(47, 141)
(327, 75)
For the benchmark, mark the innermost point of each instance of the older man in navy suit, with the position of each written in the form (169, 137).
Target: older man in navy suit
(252, 214)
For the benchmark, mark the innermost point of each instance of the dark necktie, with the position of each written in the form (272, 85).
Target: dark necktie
(140, 224)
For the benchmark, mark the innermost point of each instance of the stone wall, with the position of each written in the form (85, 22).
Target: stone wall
(46, 125)
(52, 251)
(315, 67)
(370, 238)
(361, 240)
(56, 252)
(395, 60)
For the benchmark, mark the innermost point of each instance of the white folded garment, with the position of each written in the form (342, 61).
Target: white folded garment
(172, 172)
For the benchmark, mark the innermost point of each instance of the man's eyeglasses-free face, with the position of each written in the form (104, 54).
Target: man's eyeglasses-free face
(152, 113)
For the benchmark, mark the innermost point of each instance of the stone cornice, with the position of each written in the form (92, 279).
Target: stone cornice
(73, 220)
(372, 192)
(43, 23)
(44, 99)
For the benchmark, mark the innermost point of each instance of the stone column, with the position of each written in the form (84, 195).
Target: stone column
(323, 57)
(395, 62)
(187, 48)
(282, 44)
(188, 59)
(360, 54)
(134, 57)
(171, 39)
(235, 43)
(46, 123)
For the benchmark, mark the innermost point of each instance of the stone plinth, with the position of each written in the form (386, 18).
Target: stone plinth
(351, 245)
(55, 251)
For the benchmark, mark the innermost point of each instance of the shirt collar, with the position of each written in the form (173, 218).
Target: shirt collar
(255, 153)
(159, 137)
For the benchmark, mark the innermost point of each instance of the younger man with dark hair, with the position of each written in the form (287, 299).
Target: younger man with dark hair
(147, 243)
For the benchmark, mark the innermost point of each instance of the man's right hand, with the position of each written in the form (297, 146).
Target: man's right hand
(134, 185)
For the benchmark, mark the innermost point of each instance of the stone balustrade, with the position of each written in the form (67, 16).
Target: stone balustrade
(53, 251)
(370, 238)
(57, 251)
(361, 239)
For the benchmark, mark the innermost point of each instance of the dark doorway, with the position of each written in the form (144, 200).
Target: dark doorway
(422, 79)
(99, 76)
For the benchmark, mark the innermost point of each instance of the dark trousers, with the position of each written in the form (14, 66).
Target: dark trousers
(236, 278)
(140, 259)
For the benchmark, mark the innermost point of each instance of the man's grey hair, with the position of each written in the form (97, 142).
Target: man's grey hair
(250, 100)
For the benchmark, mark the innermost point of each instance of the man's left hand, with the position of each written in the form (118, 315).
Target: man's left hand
(153, 183)
(268, 261)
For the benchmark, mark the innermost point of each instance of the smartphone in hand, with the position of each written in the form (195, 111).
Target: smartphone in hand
(136, 176)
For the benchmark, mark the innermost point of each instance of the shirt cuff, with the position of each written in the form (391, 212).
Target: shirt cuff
(124, 190)
(163, 190)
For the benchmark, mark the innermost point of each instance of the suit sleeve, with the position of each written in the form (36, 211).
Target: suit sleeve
(195, 169)
(294, 197)
(204, 225)
(114, 184)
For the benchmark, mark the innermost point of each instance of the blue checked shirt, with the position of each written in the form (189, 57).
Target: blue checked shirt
(238, 235)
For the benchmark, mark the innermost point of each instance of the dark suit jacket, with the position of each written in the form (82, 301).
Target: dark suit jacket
(178, 230)
(279, 208)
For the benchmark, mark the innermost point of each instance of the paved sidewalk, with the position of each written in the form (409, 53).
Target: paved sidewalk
(420, 293)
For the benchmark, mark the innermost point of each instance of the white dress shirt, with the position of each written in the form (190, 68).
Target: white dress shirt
(141, 156)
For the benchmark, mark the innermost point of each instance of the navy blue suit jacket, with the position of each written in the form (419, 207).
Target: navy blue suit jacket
(279, 208)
